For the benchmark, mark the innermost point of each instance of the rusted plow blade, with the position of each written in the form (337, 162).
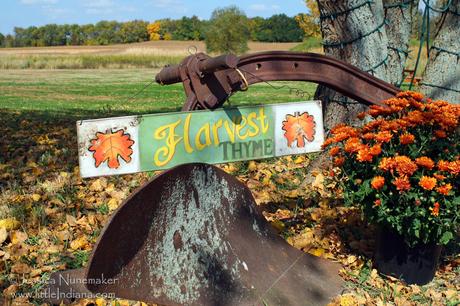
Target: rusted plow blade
(193, 236)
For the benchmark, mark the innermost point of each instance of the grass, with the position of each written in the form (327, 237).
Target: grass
(94, 93)
(87, 61)
(311, 44)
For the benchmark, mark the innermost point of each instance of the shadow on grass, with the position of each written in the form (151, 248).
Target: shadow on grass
(74, 115)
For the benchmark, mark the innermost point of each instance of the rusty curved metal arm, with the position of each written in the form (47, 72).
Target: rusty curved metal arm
(312, 67)
(210, 88)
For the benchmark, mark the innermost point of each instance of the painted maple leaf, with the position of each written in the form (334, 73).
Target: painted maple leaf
(111, 145)
(298, 128)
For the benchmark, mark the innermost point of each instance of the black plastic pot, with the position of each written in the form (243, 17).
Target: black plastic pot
(414, 265)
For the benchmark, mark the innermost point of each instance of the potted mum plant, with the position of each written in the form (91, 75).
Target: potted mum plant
(402, 168)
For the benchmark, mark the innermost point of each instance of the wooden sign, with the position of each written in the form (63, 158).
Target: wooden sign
(160, 141)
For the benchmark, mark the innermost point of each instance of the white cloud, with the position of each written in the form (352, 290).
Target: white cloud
(98, 7)
(99, 4)
(170, 5)
(55, 12)
(105, 7)
(259, 7)
(31, 2)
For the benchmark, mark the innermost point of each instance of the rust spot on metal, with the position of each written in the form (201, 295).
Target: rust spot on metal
(177, 240)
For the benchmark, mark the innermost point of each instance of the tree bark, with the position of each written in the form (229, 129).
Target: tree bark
(353, 31)
(441, 78)
(400, 15)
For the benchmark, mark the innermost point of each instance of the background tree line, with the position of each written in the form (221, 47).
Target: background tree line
(277, 28)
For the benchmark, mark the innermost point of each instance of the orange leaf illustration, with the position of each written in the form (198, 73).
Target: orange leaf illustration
(110, 146)
(298, 128)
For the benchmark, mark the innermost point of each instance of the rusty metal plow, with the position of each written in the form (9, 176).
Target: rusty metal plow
(193, 236)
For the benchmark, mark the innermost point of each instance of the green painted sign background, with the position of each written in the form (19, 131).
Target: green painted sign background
(211, 137)
(132, 144)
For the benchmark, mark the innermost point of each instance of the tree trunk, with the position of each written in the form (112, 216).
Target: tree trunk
(441, 79)
(353, 31)
(400, 16)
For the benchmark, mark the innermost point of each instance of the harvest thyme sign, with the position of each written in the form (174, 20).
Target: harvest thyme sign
(160, 141)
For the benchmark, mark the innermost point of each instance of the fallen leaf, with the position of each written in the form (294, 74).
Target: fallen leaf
(35, 272)
(18, 237)
(3, 235)
(351, 259)
(347, 300)
(20, 268)
(100, 302)
(11, 290)
(451, 294)
(317, 252)
(36, 197)
(9, 223)
(96, 185)
(53, 249)
(252, 166)
(112, 204)
(79, 243)
(71, 220)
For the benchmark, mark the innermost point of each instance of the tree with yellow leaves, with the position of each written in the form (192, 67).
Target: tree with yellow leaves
(309, 23)
(154, 30)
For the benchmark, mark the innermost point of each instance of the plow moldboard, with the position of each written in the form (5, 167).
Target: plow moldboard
(193, 236)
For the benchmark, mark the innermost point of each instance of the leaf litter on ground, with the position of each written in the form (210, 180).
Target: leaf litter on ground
(50, 218)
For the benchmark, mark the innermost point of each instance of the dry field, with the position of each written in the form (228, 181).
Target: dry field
(165, 47)
(154, 54)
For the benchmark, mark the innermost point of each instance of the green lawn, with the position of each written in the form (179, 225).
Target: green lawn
(96, 93)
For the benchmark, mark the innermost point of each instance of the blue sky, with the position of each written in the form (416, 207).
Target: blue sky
(24, 13)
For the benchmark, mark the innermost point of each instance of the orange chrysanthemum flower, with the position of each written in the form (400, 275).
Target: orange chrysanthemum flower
(368, 136)
(387, 164)
(373, 125)
(427, 183)
(435, 209)
(415, 117)
(455, 167)
(339, 161)
(384, 136)
(440, 133)
(443, 165)
(378, 182)
(439, 177)
(451, 167)
(334, 151)
(402, 183)
(425, 162)
(376, 149)
(352, 145)
(444, 189)
(404, 165)
(364, 154)
(406, 138)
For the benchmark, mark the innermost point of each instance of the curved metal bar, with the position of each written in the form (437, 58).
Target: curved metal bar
(338, 75)
(211, 88)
